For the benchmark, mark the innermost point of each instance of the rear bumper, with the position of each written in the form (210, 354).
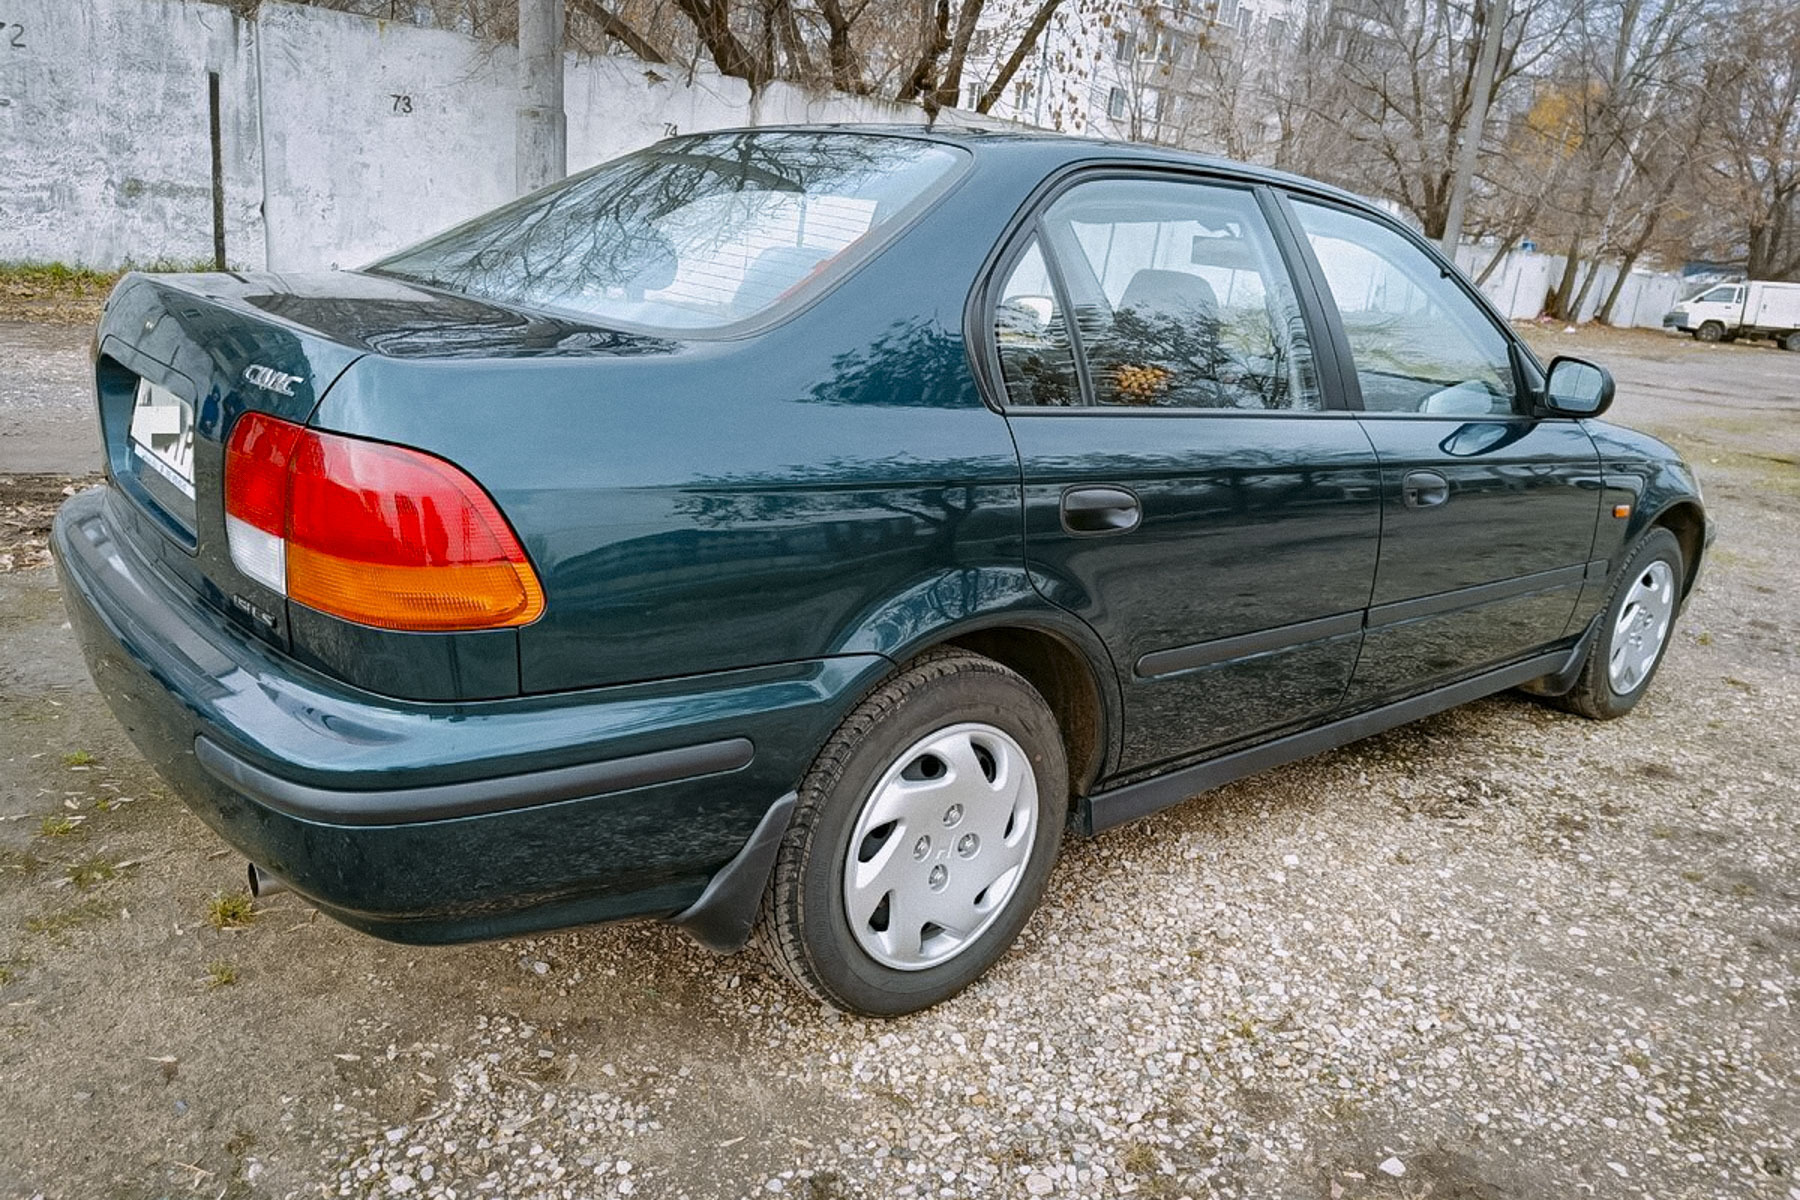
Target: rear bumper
(445, 822)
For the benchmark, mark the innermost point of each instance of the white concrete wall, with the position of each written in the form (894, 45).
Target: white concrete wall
(104, 147)
(343, 137)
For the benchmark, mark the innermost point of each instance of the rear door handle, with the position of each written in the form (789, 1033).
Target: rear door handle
(1100, 510)
(1424, 489)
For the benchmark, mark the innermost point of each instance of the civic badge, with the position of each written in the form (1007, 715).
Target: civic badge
(271, 380)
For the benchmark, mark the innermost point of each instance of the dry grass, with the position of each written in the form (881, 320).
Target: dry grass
(230, 910)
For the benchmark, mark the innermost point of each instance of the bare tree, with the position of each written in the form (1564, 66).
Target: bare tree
(1755, 168)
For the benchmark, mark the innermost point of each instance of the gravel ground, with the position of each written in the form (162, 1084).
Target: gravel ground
(1502, 953)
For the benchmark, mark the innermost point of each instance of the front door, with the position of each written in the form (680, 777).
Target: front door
(1187, 490)
(1488, 513)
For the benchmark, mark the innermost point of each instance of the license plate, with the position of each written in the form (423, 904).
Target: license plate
(162, 435)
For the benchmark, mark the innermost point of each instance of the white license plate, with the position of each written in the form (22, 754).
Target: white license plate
(162, 435)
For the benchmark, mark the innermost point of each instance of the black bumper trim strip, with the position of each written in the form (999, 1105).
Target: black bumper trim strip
(443, 801)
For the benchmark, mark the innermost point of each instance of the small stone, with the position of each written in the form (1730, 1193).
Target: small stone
(1038, 1185)
(1392, 1166)
(1619, 1170)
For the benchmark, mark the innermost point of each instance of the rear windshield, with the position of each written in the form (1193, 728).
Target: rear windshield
(698, 233)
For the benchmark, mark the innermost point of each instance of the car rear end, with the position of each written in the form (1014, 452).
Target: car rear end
(313, 636)
(514, 581)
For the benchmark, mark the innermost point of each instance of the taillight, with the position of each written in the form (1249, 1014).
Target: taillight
(376, 534)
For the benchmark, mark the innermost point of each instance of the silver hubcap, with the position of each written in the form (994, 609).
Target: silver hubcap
(940, 846)
(1642, 626)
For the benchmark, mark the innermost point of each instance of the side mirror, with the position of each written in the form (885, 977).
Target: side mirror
(1575, 387)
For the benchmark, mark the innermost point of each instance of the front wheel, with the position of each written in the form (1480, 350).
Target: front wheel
(921, 840)
(1634, 631)
(1711, 331)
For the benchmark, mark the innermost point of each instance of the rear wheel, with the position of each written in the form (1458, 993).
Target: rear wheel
(1791, 341)
(1634, 631)
(1711, 331)
(921, 840)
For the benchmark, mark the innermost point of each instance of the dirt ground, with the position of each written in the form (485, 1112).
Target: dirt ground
(1506, 951)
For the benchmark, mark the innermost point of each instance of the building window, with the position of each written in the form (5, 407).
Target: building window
(1115, 104)
(1125, 46)
(980, 42)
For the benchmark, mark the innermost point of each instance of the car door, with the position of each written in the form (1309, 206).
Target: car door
(1188, 490)
(1488, 511)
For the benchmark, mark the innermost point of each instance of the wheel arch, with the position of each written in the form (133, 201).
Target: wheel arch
(1067, 678)
(1687, 522)
(997, 611)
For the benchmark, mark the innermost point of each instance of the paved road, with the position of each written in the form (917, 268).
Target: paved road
(46, 400)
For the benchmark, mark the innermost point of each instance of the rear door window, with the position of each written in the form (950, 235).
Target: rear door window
(1180, 299)
(1037, 362)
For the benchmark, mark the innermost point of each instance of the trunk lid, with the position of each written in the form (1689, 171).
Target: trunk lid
(181, 357)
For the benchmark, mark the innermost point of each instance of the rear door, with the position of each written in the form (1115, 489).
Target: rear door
(1189, 488)
(1488, 512)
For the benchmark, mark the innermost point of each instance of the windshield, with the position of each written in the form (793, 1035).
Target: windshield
(697, 233)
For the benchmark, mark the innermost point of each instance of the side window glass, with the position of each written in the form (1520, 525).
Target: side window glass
(1035, 357)
(1421, 345)
(1180, 298)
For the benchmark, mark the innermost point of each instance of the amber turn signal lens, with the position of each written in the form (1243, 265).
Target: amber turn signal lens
(1621, 511)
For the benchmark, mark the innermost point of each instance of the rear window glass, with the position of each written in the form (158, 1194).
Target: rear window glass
(698, 233)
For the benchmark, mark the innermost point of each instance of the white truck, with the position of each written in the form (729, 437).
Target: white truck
(1741, 310)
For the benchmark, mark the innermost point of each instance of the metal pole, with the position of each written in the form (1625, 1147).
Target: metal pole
(1477, 125)
(542, 140)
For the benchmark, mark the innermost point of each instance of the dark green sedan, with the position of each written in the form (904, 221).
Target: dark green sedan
(792, 532)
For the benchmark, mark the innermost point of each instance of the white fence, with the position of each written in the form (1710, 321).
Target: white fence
(340, 137)
(1522, 281)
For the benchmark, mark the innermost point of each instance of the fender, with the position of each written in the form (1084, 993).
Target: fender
(1646, 475)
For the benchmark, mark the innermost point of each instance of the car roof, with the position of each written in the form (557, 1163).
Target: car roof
(1050, 149)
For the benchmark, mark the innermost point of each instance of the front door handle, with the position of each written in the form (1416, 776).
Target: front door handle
(1100, 510)
(1424, 489)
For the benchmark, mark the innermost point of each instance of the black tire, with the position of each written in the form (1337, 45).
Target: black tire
(1792, 342)
(804, 928)
(1593, 695)
(1711, 331)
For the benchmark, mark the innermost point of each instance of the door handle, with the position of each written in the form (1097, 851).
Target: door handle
(1424, 489)
(1100, 510)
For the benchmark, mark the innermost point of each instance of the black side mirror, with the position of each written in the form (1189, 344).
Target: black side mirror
(1575, 387)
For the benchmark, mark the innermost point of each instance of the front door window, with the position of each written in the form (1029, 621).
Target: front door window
(1420, 343)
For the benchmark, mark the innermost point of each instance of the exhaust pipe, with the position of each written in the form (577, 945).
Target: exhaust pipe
(264, 884)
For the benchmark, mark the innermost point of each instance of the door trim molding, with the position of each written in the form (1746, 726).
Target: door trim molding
(1159, 663)
(1397, 611)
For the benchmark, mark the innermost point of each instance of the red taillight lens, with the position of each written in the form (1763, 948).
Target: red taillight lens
(257, 459)
(256, 468)
(377, 534)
